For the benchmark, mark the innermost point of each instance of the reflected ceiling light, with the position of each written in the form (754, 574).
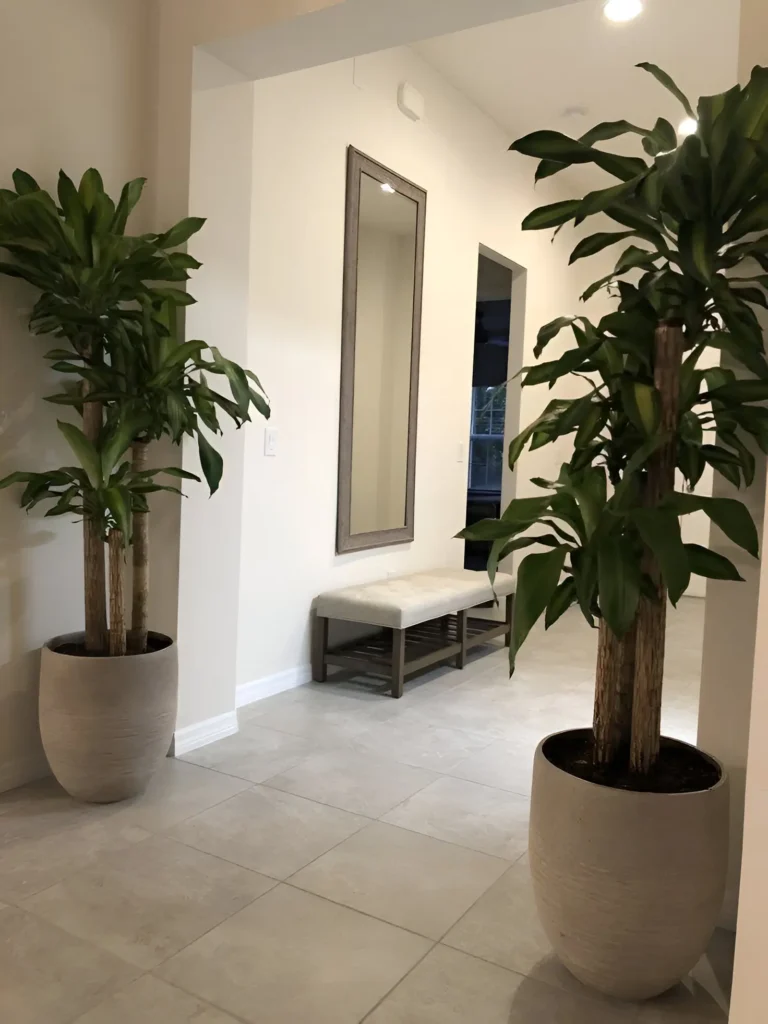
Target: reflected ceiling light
(689, 126)
(622, 10)
(386, 187)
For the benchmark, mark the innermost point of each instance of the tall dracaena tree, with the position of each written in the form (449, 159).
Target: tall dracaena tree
(693, 220)
(110, 300)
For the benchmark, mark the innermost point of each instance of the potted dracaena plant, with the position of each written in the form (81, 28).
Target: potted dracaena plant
(629, 830)
(110, 299)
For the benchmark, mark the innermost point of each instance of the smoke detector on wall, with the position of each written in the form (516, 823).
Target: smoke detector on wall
(410, 101)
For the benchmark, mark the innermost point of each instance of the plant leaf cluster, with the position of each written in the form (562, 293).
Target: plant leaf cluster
(692, 224)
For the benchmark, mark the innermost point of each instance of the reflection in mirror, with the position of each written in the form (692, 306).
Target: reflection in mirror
(383, 261)
(386, 254)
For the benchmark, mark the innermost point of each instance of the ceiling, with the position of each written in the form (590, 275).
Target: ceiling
(569, 68)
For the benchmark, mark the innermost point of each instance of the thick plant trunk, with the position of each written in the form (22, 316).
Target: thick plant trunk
(93, 550)
(613, 695)
(117, 638)
(652, 615)
(137, 638)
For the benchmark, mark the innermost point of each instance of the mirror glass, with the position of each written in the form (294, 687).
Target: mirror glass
(386, 254)
(383, 269)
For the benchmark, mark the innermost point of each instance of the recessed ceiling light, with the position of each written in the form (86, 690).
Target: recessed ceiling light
(689, 126)
(622, 10)
(386, 187)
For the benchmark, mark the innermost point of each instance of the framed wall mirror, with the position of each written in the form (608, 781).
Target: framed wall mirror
(381, 326)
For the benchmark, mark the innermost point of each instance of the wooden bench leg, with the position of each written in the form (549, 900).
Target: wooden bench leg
(398, 662)
(461, 630)
(319, 648)
(510, 610)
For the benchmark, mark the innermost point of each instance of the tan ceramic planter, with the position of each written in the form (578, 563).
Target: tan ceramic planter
(628, 886)
(106, 723)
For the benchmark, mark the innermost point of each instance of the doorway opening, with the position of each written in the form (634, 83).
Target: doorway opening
(493, 316)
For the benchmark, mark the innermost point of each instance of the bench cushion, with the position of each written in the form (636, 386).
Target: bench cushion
(403, 601)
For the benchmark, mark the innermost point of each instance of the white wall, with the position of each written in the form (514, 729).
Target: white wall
(75, 87)
(477, 193)
(220, 185)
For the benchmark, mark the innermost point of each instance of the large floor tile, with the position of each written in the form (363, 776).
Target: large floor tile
(177, 792)
(293, 958)
(359, 783)
(503, 765)
(399, 876)
(254, 753)
(152, 1001)
(269, 831)
(479, 817)
(418, 743)
(146, 904)
(452, 988)
(32, 858)
(503, 927)
(49, 977)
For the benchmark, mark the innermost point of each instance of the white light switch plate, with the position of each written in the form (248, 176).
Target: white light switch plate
(270, 441)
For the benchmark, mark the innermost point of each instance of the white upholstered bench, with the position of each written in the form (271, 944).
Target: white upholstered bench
(423, 620)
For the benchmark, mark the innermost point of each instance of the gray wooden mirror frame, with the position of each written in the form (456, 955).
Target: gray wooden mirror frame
(357, 165)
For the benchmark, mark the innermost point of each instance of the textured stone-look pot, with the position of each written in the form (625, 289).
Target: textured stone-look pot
(628, 885)
(107, 723)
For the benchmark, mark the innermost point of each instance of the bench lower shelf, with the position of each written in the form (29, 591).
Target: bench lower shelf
(398, 653)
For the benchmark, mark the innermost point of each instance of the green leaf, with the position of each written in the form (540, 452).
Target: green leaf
(562, 599)
(550, 331)
(501, 549)
(730, 515)
(642, 405)
(85, 452)
(710, 564)
(596, 243)
(178, 472)
(618, 573)
(118, 441)
(660, 530)
(552, 216)
(129, 197)
(554, 146)
(698, 243)
(636, 463)
(669, 84)
(537, 579)
(175, 295)
(181, 232)
(24, 183)
(91, 185)
(552, 371)
(739, 391)
(211, 462)
(589, 488)
(15, 478)
(118, 502)
(747, 356)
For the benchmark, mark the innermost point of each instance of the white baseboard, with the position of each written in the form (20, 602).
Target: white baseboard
(202, 733)
(268, 686)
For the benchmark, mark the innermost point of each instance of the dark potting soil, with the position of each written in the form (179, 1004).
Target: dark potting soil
(155, 642)
(680, 768)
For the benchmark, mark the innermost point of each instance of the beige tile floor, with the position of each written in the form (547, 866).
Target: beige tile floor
(345, 857)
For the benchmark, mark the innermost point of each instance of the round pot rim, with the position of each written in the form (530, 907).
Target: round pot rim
(643, 794)
(78, 635)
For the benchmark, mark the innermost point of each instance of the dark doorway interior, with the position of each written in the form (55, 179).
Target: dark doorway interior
(486, 438)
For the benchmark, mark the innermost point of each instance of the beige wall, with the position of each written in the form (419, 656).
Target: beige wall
(749, 999)
(75, 91)
(477, 193)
